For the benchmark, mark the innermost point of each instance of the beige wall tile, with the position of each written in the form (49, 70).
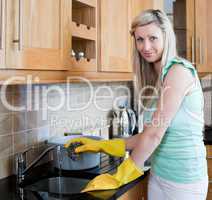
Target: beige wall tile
(6, 146)
(5, 124)
(36, 119)
(3, 104)
(19, 121)
(6, 166)
(29, 128)
(19, 142)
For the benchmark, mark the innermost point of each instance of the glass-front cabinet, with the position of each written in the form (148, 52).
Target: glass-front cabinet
(193, 29)
(181, 13)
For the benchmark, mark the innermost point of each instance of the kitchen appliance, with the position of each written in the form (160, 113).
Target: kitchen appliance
(64, 160)
(44, 182)
(123, 123)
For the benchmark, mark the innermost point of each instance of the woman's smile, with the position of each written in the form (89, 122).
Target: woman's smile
(148, 54)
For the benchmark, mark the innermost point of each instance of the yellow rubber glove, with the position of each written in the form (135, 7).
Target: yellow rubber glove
(115, 147)
(126, 173)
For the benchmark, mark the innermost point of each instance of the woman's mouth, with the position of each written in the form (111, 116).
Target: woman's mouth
(148, 55)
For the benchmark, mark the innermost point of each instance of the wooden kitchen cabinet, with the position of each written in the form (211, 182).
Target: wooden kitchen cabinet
(33, 39)
(138, 192)
(193, 29)
(84, 29)
(114, 36)
(42, 34)
(203, 35)
(182, 15)
(141, 5)
(137, 6)
(37, 38)
(115, 39)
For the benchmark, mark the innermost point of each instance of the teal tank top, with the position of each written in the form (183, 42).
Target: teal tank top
(181, 155)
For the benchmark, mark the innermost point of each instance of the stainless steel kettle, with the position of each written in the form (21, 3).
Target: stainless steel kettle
(124, 122)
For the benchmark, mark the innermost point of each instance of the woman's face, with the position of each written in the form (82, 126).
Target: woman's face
(149, 42)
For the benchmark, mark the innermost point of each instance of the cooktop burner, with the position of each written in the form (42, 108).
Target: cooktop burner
(48, 183)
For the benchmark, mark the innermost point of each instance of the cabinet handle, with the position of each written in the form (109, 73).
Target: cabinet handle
(19, 40)
(192, 51)
(201, 52)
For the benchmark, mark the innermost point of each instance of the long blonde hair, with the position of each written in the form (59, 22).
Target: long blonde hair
(144, 73)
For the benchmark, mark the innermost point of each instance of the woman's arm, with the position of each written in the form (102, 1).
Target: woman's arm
(132, 141)
(176, 85)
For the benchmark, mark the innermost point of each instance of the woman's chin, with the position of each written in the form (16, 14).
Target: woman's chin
(150, 60)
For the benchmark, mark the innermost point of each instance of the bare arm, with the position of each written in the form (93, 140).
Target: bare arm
(173, 92)
(132, 141)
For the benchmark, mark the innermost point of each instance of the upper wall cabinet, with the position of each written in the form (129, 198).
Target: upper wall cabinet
(83, 49)
(33, 39)
(114, 36)
(181, 14)
(203, 35)
(140, 5)
(65, 38)
(193, 29)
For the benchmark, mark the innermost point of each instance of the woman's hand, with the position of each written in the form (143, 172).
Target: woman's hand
(115, 147)
(126, 173)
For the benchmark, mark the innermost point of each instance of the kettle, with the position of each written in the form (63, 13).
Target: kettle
(123, 122)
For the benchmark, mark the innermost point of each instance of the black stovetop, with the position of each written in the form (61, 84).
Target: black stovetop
(45, 182)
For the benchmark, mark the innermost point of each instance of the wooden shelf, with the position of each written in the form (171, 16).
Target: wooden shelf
(84, 35)
(92, 3)
(83, 31)
(83, 65)
(47, 76)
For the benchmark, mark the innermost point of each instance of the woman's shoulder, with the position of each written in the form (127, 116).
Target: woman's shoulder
(177, 67)
(182, 61)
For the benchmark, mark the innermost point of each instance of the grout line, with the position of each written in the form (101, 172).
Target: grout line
(23, 131)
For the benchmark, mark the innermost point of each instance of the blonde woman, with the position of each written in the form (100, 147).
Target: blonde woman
(169, 94)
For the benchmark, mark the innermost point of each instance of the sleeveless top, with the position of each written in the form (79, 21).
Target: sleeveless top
(181, 155)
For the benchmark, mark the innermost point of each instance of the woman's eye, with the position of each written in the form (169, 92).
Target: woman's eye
(139, 39)
(153, 38)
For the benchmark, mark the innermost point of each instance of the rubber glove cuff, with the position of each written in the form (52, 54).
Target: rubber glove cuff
(126, 172)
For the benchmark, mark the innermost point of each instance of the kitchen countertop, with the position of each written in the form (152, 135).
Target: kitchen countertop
(208, 142)
(38, 177)
(207, 135)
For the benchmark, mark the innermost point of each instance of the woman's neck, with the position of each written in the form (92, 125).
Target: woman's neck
(157, 67)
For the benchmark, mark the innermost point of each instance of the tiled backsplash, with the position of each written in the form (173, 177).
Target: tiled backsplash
(52, 110)
(73, 113)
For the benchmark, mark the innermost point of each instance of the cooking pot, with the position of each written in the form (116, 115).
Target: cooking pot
(63, 160)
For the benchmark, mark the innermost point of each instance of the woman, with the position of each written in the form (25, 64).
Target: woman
(171, 100)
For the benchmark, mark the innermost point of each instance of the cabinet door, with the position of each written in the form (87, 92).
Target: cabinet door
(33, 34)
(2, 33)
(181, 14)
(138, 6)
(203, 35)
(115, 36)
(138, 192)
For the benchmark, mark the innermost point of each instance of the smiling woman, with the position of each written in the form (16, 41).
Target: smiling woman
(149, 42)
(178, 157)
(173, 119)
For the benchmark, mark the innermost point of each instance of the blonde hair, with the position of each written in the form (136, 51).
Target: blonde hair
(144, 73)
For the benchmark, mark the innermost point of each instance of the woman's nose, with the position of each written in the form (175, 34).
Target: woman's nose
(147, 46)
